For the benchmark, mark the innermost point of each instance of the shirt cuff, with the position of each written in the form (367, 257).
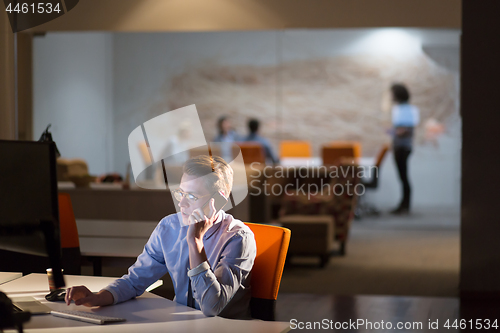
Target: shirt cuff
(204, 266)
(115, 297)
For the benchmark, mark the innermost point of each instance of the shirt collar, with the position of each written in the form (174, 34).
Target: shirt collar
(215, 226)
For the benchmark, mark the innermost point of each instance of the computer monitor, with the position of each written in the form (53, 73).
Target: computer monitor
(29, 212)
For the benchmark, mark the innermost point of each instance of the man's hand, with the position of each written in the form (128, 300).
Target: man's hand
(198, 226)
(83, 296)
(199, 223)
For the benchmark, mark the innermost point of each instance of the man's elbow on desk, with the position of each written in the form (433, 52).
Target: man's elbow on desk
(211, 310)
(212, 303)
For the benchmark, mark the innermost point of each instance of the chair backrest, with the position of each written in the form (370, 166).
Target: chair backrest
(333, 152)
(70, 242)
(381, 155)
(333, 155)
(252, 152)
(354, 145)
(295, 149)
(272, 246)
(375, 172)
(67, 222)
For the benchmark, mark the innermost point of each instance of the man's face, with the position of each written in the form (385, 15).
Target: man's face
(196, 186)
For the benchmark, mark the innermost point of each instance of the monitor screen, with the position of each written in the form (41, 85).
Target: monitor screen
(29, 218)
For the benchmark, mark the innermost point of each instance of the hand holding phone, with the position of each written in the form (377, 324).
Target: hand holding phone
(202, 219)
(219, 202)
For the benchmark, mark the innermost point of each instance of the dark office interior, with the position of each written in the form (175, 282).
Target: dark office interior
(314, 73)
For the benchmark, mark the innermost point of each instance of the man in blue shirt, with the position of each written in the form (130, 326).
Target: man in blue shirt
(209, 258)
(253, 126)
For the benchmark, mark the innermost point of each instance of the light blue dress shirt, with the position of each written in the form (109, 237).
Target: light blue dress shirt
(220, 286)
(405, 115)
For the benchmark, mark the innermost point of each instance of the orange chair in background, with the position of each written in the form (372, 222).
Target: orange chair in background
(272, 246)
(295, 149)
(333, 152)
(363, 208)
(70, 243)
(252, 152)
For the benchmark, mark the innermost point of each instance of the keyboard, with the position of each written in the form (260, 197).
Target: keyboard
(87, 317)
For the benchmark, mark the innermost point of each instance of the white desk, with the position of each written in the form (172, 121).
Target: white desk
(147, 313)
(301, 161)
(7, 276)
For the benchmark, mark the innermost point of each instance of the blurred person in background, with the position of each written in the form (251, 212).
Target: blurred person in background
(405, 117)
(253, 127)
(227, 136)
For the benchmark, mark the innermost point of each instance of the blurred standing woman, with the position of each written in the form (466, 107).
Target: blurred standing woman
(405, 117)
(227, 136)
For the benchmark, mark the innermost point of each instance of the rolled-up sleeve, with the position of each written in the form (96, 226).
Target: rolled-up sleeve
(213, 288)
(149, 267)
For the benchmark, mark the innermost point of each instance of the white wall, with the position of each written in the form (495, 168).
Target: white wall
(73, 90)
(96, 87)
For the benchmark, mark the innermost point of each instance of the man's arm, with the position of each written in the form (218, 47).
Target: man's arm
(198, 226)
(214, 287)
(149, 267)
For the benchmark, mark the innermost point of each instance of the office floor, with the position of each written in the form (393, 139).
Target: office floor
(397, 269)
(413, 311)
(415, 255)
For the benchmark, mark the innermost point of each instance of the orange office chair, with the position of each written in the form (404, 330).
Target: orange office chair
(272, 246)
(295, 149)
(333, 152)
(363, 208)
(70, 243)
(252, 152)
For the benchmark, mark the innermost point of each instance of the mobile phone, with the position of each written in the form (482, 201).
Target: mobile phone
(219, 202)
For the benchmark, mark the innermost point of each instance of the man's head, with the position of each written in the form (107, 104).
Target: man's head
(253, 126)
(203, 176)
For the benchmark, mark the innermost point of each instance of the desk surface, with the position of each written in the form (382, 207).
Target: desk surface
(147, 313)
(7, 276)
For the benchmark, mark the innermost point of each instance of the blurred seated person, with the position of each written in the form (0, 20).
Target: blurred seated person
(209, 258)
(253, 127)
(227, 136)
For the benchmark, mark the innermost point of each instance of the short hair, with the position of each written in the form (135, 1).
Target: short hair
(253, 125)
(400, 93)
(217, 173)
